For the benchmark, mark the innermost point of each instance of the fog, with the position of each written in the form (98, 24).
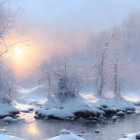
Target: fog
(57, 34)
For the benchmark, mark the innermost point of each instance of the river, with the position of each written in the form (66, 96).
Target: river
(32, 129)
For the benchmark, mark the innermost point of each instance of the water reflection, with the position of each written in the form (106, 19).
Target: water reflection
(33, 129)
(28, 117)
(42, 129)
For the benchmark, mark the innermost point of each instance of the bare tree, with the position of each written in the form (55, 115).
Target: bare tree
(117, 86)
(100, 81)
(7, 81)
(7, 84)
(6, 22)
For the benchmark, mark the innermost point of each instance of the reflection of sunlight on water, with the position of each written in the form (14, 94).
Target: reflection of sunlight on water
(28, 117)
(42, 129)
(33, 129)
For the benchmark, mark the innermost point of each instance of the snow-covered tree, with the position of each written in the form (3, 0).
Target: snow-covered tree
(67, 85)
(100, 67)
(61, 80)
(118, 76)
(117, 86)
(7, 84)
(6, 23)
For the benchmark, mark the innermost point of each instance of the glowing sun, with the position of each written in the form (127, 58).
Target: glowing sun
(23, 59)
(18, 53)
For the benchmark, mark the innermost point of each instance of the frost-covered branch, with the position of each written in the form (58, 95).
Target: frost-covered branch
(62, 81)
(100, 81)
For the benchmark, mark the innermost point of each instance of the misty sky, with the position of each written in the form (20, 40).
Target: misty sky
(96, 14)
(63, 26)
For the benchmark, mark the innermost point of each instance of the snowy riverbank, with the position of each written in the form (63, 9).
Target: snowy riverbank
(85, 106)
(7, 110)
(133, 136)
(64, 135)
(67, 135)
(8, 137)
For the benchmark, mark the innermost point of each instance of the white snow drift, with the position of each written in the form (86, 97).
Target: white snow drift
(83, 103)
(66, 135)
(7, 137)
(7, 109)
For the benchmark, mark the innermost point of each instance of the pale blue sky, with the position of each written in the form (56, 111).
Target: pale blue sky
(96, 14)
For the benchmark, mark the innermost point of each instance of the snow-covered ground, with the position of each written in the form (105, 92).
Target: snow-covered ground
(29, 98)
(23, 102)
(34, 95)
(64, 135)
(32, 98)
(133, 136)
(7, 109)
(67, 135)
(7, 137)
(134, 98)
(84, 106)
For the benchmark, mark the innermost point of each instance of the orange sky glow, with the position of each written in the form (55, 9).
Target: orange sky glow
(23, 58)
(38, 45)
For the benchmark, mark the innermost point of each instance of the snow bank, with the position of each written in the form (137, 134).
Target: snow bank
(35, 94)
(7, 110)
(9, 119)
(67, 135)
(2, 131)
(134, 98)
(115, 105)
(68, 108)
(85, 107)
(133, 136)
(7, 137)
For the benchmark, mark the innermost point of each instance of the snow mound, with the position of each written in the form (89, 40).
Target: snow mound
(7, 110)
(134, 98)
(83, 107)
(68, 108)
(2, 131)
(114, 118)
(9, 119)
(29, 95)
(66, 135)
(7, 137)
(64, 131)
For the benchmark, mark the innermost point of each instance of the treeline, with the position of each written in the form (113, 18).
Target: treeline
(109, 62)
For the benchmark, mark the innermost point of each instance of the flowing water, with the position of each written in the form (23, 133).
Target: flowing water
(32, 129)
